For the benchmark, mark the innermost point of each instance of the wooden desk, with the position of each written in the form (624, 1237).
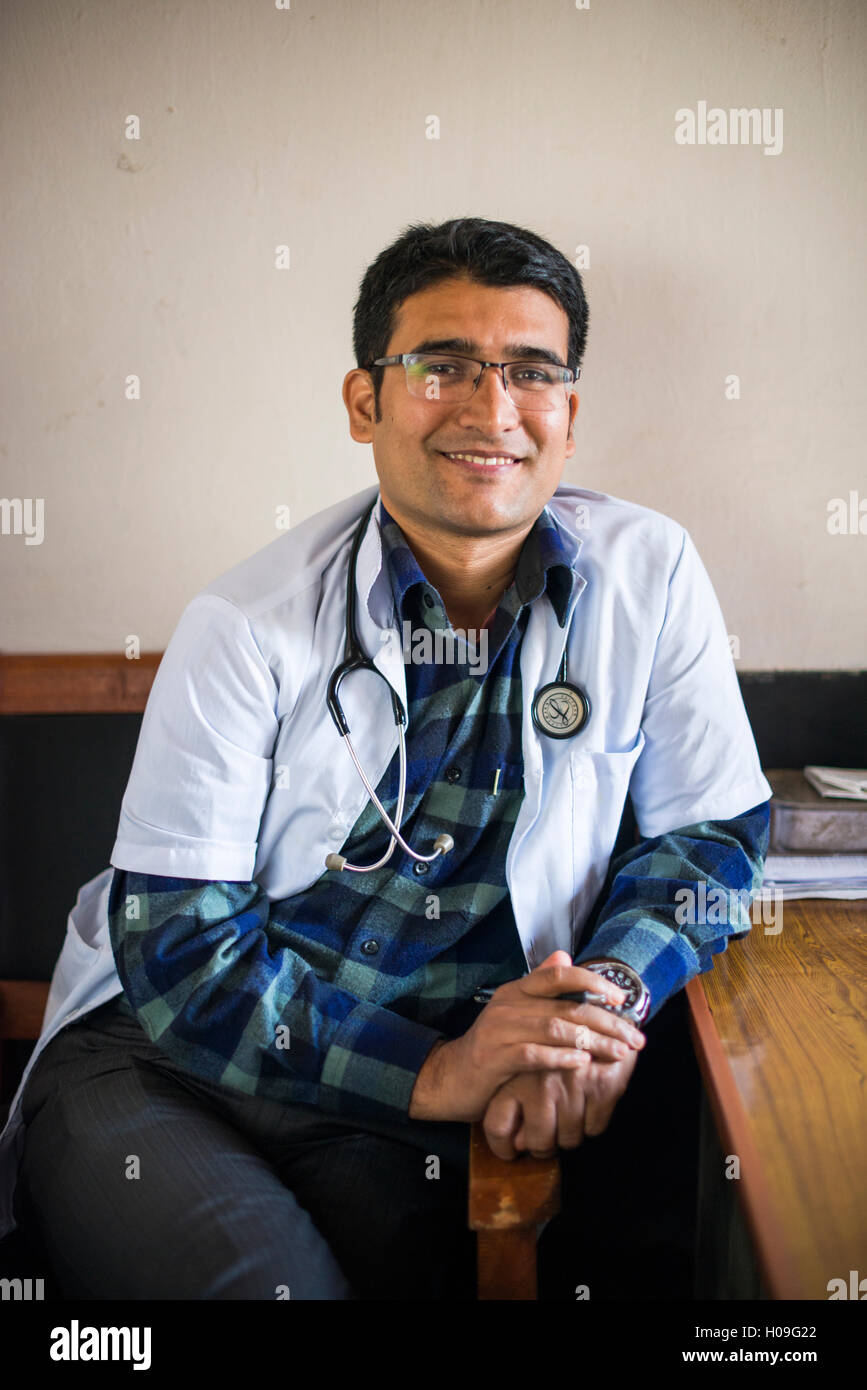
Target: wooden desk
(781, 1040)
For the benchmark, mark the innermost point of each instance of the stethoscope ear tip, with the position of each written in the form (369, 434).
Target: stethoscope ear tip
(334, 861)
(444, 843)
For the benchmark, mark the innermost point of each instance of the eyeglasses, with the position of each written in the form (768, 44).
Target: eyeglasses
(451, 379)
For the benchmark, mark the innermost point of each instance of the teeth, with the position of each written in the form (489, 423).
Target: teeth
(477, 458)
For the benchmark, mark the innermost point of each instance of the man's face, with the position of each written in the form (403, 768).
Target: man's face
(410, 443)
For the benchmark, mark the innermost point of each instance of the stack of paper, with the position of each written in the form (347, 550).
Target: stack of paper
(850, 782)
(816, 875)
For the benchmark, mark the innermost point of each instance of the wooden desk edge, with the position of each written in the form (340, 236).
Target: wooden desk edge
(733, 1127)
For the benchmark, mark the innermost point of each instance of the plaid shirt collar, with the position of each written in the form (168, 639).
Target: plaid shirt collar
(543, 567)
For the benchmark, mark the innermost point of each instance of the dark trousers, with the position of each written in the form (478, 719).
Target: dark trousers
(140, 1181)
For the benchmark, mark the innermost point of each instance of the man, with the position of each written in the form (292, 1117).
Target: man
(257, 1071)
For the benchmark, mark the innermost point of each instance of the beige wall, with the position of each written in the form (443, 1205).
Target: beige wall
(307, 127)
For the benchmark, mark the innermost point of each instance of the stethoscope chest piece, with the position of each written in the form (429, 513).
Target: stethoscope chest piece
(560, 709)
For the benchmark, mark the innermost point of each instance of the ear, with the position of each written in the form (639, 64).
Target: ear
(360, 405)
(570, 431)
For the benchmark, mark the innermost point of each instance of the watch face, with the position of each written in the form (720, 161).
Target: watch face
(623, 979)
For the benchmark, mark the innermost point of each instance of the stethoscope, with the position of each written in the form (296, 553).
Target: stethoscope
(560, 710)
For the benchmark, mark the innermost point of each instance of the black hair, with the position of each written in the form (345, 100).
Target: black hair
(493, 253)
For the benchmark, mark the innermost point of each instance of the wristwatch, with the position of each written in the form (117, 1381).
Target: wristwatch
(636, 1005)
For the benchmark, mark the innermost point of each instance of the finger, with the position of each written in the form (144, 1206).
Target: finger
(551, 1029)
(538, 1133)
(531, 1056)
(555, 958)
(523, 1145)
(600, 1020)
(502, 1120)
(597, 1115)
(603, 1088)
(550, 980)
(602, 1046)
(570, 1115)
(565, 1025)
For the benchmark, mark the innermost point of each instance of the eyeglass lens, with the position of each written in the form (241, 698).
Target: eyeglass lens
(532, 385)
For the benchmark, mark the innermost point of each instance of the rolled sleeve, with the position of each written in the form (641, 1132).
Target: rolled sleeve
(641, 921)
(202, 769)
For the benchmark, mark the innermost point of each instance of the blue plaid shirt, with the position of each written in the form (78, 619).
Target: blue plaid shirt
(335, 996)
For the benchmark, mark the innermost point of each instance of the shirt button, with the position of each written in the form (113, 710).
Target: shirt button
(370, 947)
(420, 867)
(453, 774)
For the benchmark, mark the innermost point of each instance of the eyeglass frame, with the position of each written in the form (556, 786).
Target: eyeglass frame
(402, 359)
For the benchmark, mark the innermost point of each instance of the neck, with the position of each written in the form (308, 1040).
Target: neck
(471, 573)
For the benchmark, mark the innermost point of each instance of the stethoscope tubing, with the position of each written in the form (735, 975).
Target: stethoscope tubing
(354, 659)
(395, 832)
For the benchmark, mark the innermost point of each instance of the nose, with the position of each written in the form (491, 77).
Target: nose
(490, 407)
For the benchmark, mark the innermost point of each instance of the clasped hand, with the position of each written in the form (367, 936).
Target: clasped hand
(541, 1111)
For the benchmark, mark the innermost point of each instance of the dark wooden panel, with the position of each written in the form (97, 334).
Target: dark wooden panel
(802, 717)
(63, 778)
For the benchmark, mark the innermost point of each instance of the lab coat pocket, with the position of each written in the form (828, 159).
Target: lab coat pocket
(78, 959)
(76, 945)
(81, 949)
(86, 934)
(87, 924)
(600, 782)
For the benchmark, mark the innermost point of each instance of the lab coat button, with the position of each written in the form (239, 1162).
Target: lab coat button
(370, 947)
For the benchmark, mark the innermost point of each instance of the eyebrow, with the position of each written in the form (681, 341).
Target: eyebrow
(518, 351)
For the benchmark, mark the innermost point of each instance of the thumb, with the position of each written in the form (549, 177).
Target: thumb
(556, 958)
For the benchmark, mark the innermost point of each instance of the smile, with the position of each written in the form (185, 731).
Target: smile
(482, 461)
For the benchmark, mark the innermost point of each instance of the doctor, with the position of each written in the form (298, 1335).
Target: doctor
(236, 959)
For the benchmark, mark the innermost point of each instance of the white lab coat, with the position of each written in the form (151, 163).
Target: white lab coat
(240, 774)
